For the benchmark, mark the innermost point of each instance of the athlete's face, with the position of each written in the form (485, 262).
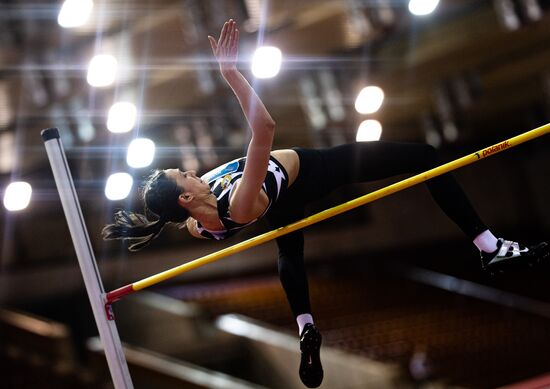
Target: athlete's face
(188, 181)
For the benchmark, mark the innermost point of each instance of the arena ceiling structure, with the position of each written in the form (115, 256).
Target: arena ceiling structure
(471, 72)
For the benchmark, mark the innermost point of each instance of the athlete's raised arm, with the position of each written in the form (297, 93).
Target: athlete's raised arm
(260, 121)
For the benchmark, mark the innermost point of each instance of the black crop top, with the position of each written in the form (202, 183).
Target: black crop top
(222, 181)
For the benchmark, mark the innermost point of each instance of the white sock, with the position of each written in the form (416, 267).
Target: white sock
(486, 242)
(302, 320)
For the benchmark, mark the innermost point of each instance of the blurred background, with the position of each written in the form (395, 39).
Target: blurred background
(397, 291)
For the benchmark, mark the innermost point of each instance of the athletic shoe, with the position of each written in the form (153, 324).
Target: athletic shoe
(311, 370)
(512, 255)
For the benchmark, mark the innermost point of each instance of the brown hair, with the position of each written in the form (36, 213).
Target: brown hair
(160, 196)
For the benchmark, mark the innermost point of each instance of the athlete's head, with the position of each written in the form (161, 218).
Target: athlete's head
(195, 188)
(161, 196)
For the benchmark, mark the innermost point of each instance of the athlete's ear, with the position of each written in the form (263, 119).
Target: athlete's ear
(185, 198)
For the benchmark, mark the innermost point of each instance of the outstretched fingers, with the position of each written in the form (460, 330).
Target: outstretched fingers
(234, 39)
(226, 48)
(226, 34)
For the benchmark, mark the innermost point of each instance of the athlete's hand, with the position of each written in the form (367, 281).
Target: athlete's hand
(226, 49)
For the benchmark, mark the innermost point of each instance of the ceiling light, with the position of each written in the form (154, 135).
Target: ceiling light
(369, 100)
(74, 13)
(17, 196)
(118, 186)
(422, 7)
(141, 153)
(266, 62)
(369, 130)
(122, 117)
(102, 70)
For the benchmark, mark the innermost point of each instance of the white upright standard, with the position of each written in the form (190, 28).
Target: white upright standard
(81, 241)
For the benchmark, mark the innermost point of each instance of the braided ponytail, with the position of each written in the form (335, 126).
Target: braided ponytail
(160, 195)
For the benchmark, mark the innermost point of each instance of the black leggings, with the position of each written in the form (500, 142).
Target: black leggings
(322, 171)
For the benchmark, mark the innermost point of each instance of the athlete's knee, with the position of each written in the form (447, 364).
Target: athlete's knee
(291, 270)
(428, 156)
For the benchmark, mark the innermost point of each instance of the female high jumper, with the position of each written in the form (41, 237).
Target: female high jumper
(278, 184)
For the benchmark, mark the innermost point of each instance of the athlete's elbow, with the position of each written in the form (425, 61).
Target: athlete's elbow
(263, 130)
(269, 126)
(263, 135)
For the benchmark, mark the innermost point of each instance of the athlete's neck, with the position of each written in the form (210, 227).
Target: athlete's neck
(206, 213)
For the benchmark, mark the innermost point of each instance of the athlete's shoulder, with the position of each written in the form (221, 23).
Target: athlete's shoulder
(236, 165)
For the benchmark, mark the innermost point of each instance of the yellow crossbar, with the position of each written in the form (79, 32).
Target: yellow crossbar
(316, 218)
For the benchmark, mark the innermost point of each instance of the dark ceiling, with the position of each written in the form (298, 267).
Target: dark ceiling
(473, 71)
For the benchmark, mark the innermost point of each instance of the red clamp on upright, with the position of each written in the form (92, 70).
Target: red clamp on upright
(113, 296)
(117, 294)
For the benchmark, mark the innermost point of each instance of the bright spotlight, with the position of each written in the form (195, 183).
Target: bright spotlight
(102, 70)
(141, 152)
(266, 62)
(422, 7)
(118, 186)
(369, 100)
(17, 196)
(74, 13)
(369, 130)
(122, 117)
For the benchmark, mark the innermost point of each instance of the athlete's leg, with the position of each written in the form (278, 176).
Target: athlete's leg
(288, 209)
(369, 161)
(293, 277)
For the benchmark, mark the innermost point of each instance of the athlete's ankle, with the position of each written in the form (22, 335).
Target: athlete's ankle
(302, 320)
(486, 242)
